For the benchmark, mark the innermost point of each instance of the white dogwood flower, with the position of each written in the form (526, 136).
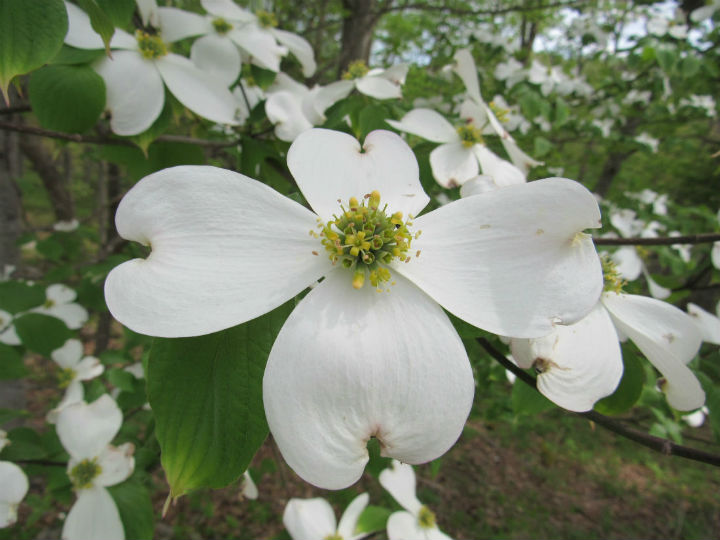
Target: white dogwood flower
(351, 362)
(708, 323)
(314, 519)
(377, 82)
(136, 75)
(85, 431)
(476, 109)
(229, 33)
(461, 149)
(75, 368)
(417, 521)
(60, 303)
(13, 488)
(582, 363)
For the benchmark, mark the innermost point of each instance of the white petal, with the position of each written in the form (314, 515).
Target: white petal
(69, 355)
(667, 337)
(656, 290)
(519, 158)
(260, 45)
(512, 261)
(465, 68)
(73, 315)
(94, 515)
(177, 24)
(330, 165)
(396, 74)
(199, 92)
(478, 185)
(13, 483)
(627, 262)
(309, 519)
(249, 489)
(300, 48)
(135, 91)
(708, 323)
(581, 363)
(349, 519)
(85, 430)
(453, 164)
(89, 368)
(399, 481)
(330, 94)
(427, 124)
(715, 254)
(80, 33)
(285, 111)
(378, 87)
(74, 393)
(352, 364)
(148, 12)
(116, 464)
(8, 334)
(225, 249)
(227, 9)
(503, 172)
(218, 56)
(60, 294)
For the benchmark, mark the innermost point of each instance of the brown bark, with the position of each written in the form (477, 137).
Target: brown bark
(359, 22)
(609, 171)
(10, 204)
(55, 182)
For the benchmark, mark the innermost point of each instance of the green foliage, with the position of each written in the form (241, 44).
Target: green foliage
(41, 333)
(99, 21)
(527, 400)
(11, 365)
(629, 389)
(67, 97)
(372, 519)
(206, 393)
(16, 296)
(136, 509)
(31, 33)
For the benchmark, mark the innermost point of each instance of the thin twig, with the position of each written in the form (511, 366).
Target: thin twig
(91, 139)
(664, 446)
(703, 238)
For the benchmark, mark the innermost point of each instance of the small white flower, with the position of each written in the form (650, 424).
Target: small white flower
(60, 303)
(136, 75)
(75, 368)
(417, 521)
(85, 431)
(649, 141)
(314, 519)
(697, 418)
(377, 83)
(13, 488)
(248, 488)
(66, 226)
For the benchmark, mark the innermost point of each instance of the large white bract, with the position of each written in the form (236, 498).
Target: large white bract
(350, 364)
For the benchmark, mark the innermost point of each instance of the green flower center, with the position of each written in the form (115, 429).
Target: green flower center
(150, 46)
(356, 70)
(363, 238)
(221, 26)
(426, 518)
(83, 474)
(266, 19)
(66, 376)
(333, 536)
(500, 114)
(469, 135)
(611, 277)
(49, 303)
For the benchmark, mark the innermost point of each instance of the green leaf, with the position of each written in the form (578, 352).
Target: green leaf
(16, 296)
(11, 363)
(118, 11)
(99, 21)
(712, 402)
(689, 66)
(527, 400)
(66, 97)
(25, 443)
(531, 105)
(10, 414)
(31, 34)
(136, 510)
(562, 111)
(206, 393)
(371, 117)
(629, 389)
(119, 378)
(666, 59)
(71, 55)
(41, 333)
(542, 146)
(373, 518)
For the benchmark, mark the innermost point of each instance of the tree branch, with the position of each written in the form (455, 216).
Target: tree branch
(498, 11)
(92, 139)
(703, 238)
(664, 446)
